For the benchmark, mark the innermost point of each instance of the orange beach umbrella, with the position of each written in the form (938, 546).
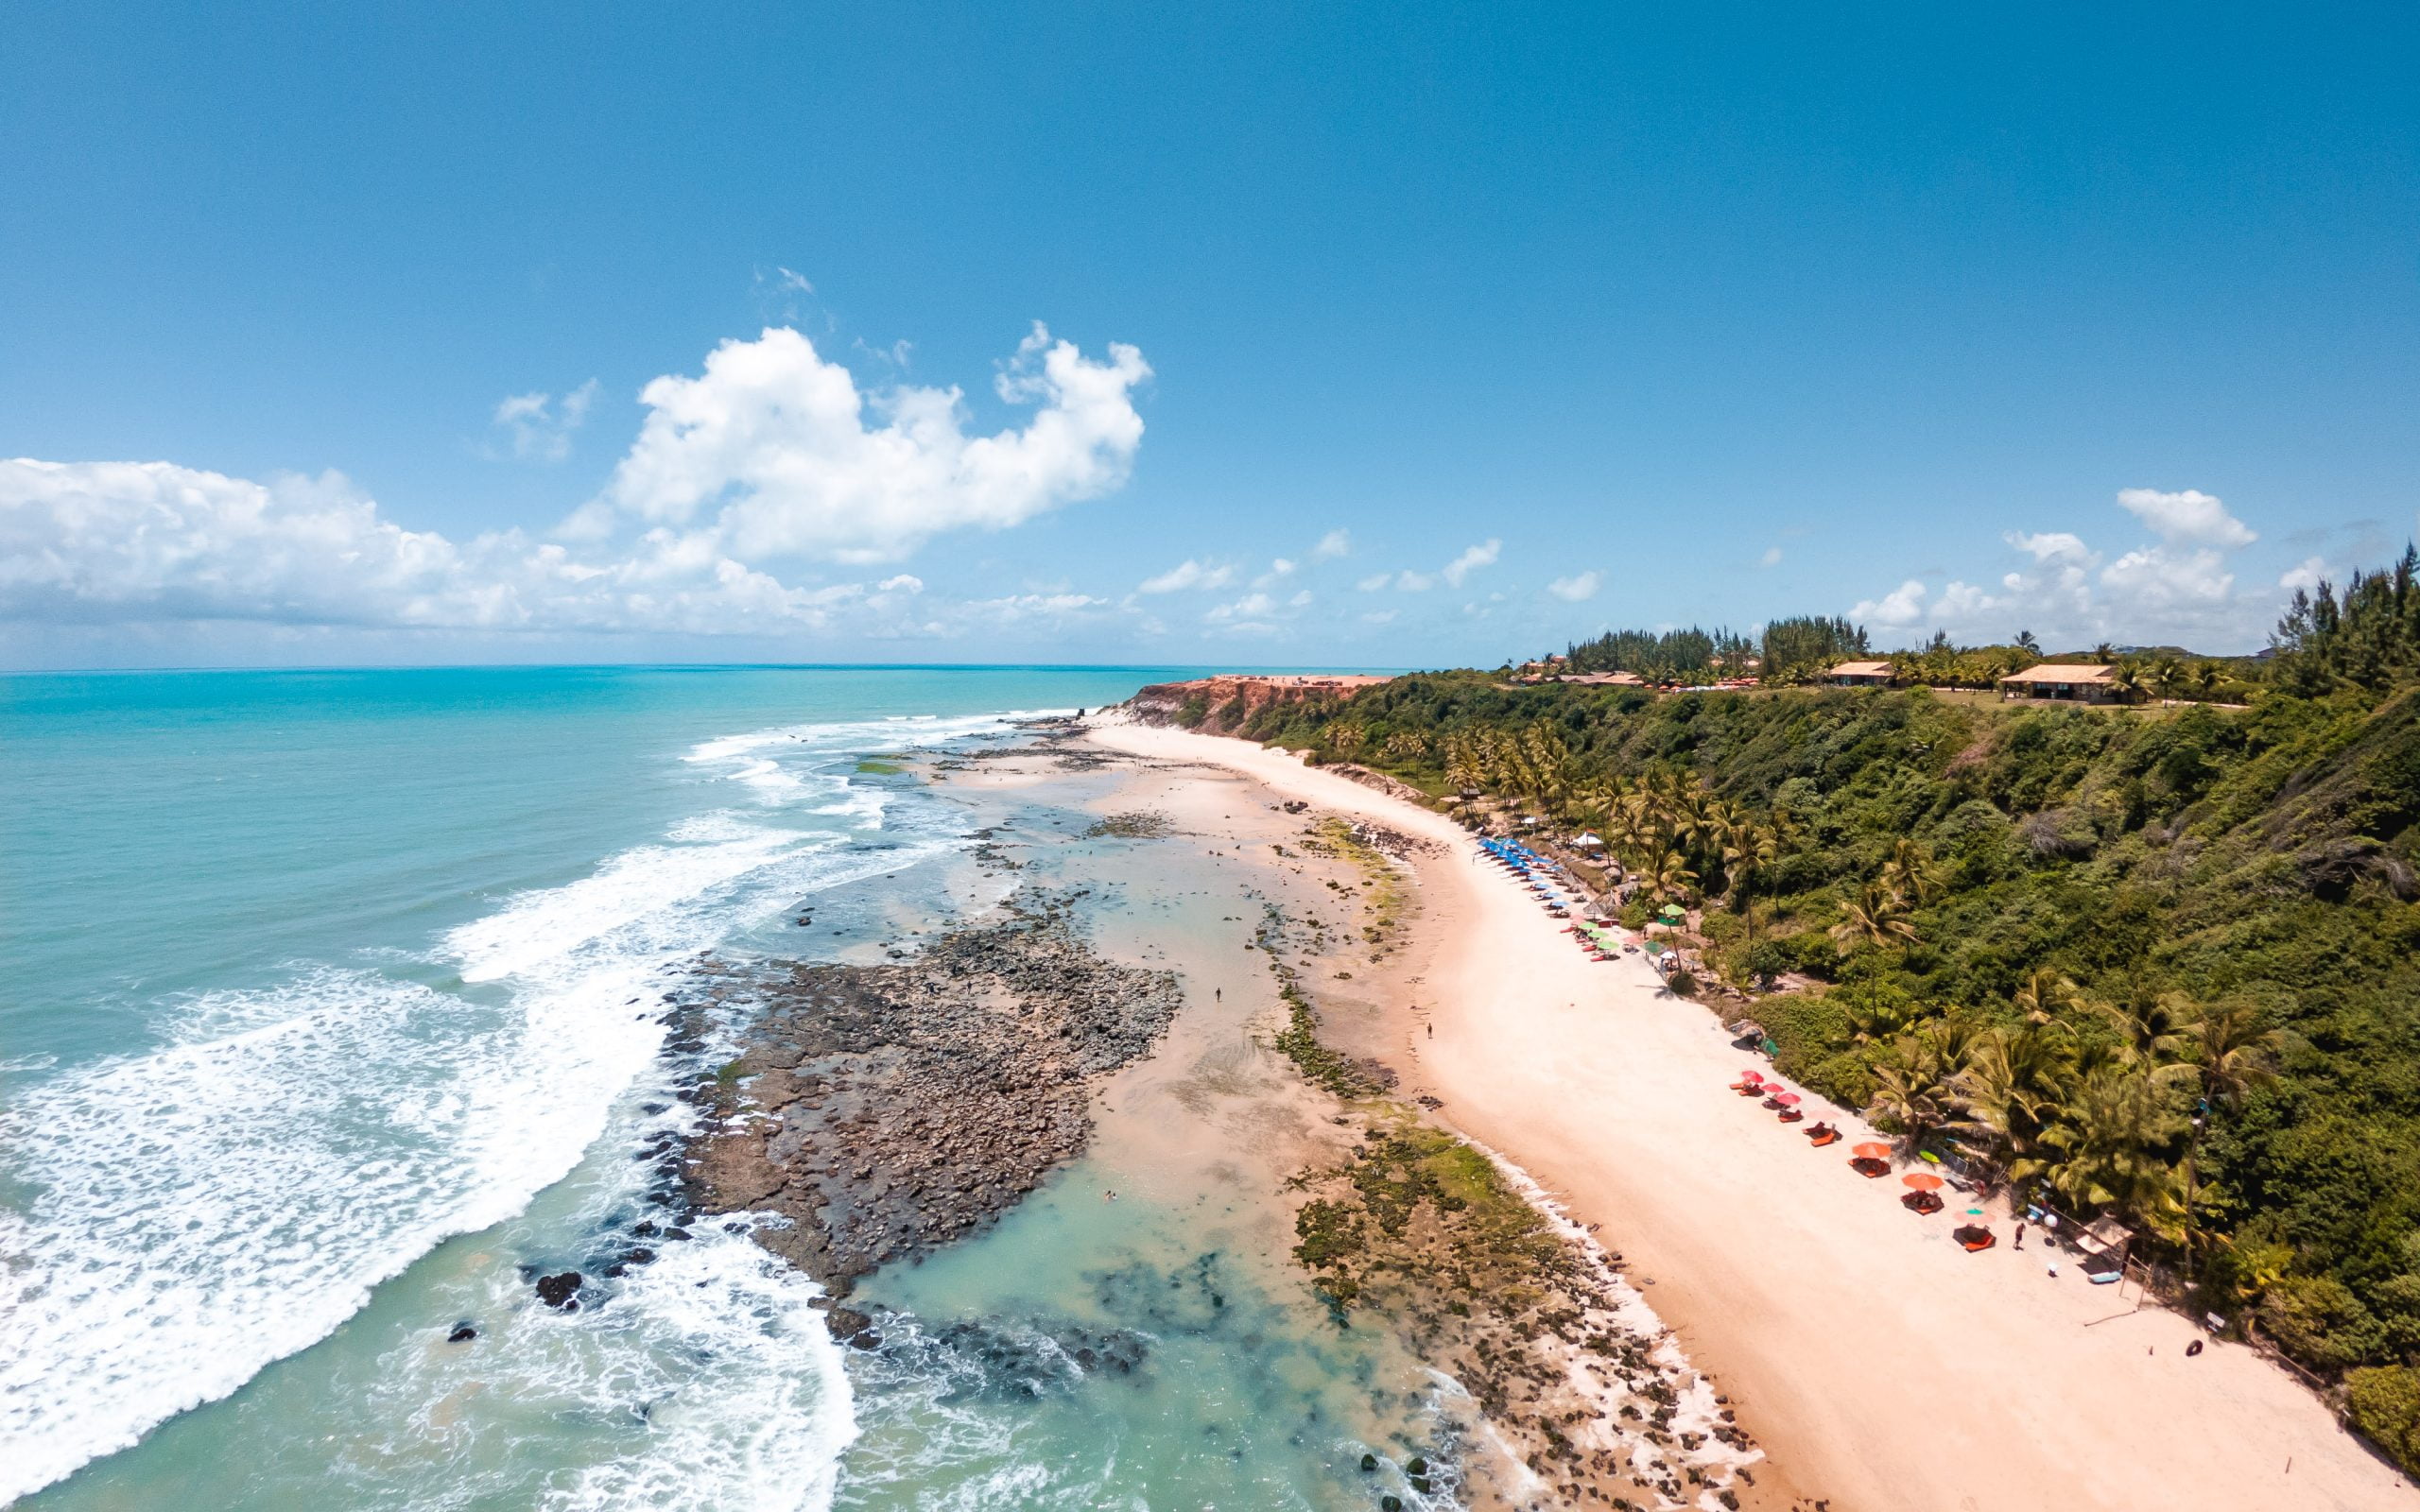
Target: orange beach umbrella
(1871, 1151)
(1923, 1181)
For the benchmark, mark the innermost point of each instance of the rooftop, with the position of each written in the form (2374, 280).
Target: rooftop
(2079, 673)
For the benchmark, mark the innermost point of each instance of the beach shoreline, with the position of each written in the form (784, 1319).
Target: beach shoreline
(1884, 1366)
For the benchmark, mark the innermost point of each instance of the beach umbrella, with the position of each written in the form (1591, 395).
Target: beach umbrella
(1752, 1075)
(1871, 1151)
(1786, 1099)
(1921, 1181)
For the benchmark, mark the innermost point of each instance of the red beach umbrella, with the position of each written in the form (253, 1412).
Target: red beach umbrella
(1752, 1075)
(1871, 1151)
(1923, 1181)
(1786, 1099)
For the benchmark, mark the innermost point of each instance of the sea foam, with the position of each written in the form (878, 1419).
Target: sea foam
(231, 1198)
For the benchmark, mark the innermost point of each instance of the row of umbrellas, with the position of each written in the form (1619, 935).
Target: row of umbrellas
(1870, 1159)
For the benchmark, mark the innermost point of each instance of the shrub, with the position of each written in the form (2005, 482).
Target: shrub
(2385, 1404)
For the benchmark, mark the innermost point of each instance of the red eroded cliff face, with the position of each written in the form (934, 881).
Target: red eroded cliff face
(1222, 704)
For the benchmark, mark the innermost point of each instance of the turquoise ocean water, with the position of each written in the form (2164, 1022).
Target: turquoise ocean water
(328, 1016)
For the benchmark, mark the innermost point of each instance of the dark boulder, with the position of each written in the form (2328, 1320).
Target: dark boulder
(560, 1290)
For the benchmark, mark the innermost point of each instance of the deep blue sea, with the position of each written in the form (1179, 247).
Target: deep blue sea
(320, 993)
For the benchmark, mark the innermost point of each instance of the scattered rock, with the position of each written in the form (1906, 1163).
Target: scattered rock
(560, 1290)
(463, 1333)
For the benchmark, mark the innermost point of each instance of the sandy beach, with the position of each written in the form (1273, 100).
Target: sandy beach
(1882, 1365)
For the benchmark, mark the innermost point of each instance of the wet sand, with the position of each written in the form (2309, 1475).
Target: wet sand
(1882, 1365)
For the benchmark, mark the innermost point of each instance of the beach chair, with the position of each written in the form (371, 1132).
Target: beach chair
(1823, 1134)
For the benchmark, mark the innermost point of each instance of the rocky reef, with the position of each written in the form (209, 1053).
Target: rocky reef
(884, 1110)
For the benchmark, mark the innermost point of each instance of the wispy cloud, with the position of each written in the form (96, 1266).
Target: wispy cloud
(538, 428)
(1187, 574)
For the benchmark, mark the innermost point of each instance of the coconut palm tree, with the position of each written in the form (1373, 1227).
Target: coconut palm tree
(2168, 677)
(2231, 1055)
(2027, 643)
(2045, 993)
(2127, 681)
(1669, 876)
(1915, 1093)
(2107, 1139)
(1749, 851)
(1910, 871)
(1463, 773)
(1876, 916)
(2149, 1031)
(2104, 653)
(2015, 1083)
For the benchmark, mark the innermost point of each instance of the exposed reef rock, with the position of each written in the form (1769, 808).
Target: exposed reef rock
(885, 1110)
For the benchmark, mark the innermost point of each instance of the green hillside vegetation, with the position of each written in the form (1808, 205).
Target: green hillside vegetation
(2155, 964)
(1801, 651)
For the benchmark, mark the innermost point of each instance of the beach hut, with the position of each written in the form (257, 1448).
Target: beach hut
(1862, 675)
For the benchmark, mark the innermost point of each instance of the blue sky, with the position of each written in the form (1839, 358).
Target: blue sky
(1378, 334)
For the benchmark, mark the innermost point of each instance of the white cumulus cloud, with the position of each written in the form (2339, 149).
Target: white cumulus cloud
(2191, 517)
(2180, 585)
(785, 455)
(1335, 544)
(1903, 605)
(1576, 588)
(93, 541)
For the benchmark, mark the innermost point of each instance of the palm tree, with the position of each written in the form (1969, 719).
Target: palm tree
(1916, 1093)
(1463, 773)
(1911, 872)
(1669, 876)
(2104, 653)
(2108, 1138)
(2027, 643)
(1876, 916)
(2149, 1031)
(1345, 739)
(2045, 993)
(1750, 850)
(2231, 1055)
(2127, 681)
(2168, 677)
(2014, 1082)
(2206, 678)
